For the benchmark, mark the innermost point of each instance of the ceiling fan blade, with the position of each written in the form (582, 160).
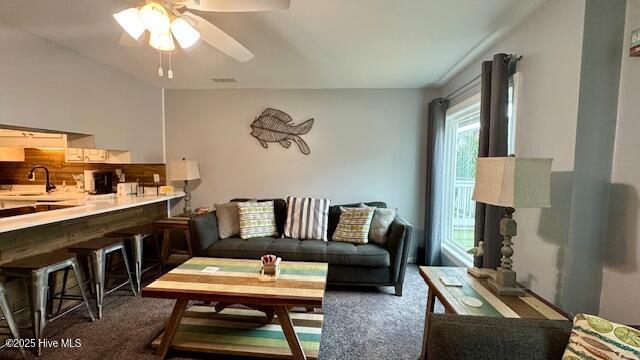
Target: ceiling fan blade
(238, 5)
(217, 38)
(128, 41)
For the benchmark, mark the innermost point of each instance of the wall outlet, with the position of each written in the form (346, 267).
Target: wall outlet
(156, 178)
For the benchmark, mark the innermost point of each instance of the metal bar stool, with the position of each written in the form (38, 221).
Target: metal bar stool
(8, 316)
(36, 270)
(96, 251)
(138, 235)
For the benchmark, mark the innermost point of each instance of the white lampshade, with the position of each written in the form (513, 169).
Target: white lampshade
(185, 34)
(130, 21)
(181, 170)
(162, 42)
(513, 182)
(155, 18)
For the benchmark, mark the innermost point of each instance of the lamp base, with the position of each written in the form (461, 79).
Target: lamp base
(505, 283)
(477, 272)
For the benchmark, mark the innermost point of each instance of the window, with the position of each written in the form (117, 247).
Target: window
(462, 134)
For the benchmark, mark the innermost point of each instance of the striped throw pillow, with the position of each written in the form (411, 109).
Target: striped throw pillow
(257, 219)
(307, 218)
(354, 225)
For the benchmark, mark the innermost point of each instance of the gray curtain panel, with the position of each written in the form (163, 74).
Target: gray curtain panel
(435, 162)
(494, 132)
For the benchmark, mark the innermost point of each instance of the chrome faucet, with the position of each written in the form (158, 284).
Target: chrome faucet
(49, 187)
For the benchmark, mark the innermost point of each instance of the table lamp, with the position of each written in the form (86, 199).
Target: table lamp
(511, 182)
(184, 170)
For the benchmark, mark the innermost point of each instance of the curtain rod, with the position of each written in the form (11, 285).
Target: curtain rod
(463, 88)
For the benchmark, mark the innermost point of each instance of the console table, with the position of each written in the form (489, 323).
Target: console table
(529, 306)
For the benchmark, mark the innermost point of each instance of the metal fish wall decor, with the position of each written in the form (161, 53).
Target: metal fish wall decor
(277, 126)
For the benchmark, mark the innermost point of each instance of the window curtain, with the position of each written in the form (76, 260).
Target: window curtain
(435, 162)
(494, 134)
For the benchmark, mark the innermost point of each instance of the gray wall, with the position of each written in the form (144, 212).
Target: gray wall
(550, 41)
(46, 86)
(581, 282)
(621, 274)
(365, 145)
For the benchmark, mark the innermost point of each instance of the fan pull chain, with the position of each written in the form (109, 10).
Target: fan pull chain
(160, 71)
(170, 72)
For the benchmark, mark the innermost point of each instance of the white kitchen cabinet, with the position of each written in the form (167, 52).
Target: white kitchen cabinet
(118, 157)
(80, 155)
(80, 141)
(12, 134)
(37, 135)
(95, 155)
(14, 138)
(30, 139)
(74, 155)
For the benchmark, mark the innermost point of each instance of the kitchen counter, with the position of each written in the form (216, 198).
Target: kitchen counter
(40, 196)
(85, 207)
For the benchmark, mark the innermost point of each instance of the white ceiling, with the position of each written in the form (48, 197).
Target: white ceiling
(315, 44)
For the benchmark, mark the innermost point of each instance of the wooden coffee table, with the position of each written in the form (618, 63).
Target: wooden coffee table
(236, 281)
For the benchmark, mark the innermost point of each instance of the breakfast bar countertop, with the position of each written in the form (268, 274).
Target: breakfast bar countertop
(81, 209)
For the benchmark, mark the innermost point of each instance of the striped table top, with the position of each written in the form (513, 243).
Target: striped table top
(529, 306)
(238, 281)
(243, 332)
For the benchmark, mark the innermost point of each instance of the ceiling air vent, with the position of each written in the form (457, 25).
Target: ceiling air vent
(224, 80)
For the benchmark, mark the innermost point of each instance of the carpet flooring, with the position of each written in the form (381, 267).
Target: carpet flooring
(360, 323)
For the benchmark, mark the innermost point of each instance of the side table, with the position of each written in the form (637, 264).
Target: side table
(529, 306)
(171, 255)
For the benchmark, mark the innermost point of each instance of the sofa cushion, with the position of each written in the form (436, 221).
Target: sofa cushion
(286, 248)
(334, 213)
(307, 218)
(354, 225)
(279, 208)
(344, 253)
(257, 219)
(335, 253)
(299, 250)
(228, 220)
(236, 247)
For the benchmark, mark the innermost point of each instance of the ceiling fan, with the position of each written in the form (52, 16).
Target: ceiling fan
(166, 20)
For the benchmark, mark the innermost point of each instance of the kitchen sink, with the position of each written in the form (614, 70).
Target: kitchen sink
(32, 209)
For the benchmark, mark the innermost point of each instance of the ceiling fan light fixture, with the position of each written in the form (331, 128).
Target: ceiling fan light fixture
(186, 35)
(129, 20)
(155, 18)
(162, 42)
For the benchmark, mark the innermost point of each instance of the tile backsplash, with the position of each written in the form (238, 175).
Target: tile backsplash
(59, 170)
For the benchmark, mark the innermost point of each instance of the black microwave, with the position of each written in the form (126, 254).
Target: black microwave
(103, 181)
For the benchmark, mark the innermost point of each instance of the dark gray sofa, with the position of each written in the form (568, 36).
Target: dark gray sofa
(456, 337)
(349, 264)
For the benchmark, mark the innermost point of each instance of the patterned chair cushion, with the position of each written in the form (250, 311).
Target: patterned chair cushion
(593, 337)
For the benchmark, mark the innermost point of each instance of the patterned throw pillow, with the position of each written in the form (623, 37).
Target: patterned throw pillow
(307, 218)
(382, 219)
(354, 225)
(596, 338)
(257, 219)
